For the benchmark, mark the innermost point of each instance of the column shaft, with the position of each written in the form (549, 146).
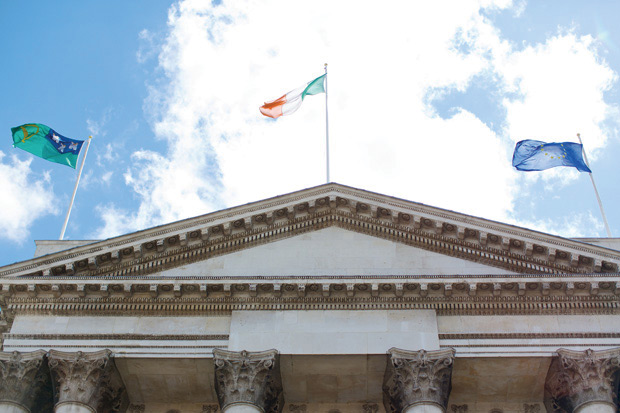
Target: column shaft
(596, 408)
(424, 408)
(73, 408)
(242, 408)
(8, 407)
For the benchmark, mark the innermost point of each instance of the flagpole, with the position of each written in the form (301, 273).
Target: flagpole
(77, 181)
(326, 129)
(598, 198)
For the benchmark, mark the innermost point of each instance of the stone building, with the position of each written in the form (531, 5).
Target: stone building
(331, 299)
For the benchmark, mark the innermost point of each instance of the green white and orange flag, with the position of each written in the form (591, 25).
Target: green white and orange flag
(291, 101)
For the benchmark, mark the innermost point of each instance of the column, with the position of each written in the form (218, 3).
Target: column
(583, 382)
(248, 382)
(86, 382)
(24, 382)
(417, 381)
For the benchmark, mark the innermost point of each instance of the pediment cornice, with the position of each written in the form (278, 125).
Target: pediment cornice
(462, 236)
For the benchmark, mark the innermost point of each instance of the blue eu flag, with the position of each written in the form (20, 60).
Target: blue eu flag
(533, 155)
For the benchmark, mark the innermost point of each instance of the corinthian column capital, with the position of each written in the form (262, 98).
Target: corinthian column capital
(88, 379)
(249, 377)
(417, 377)
(576, 378)
(24, 380)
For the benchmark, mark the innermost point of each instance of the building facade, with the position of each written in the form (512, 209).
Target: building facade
(329, 300)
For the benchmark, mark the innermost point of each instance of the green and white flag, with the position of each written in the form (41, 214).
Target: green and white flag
(43, 141)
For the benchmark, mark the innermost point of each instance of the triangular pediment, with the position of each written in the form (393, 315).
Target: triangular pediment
(333, 251)
(349, 225)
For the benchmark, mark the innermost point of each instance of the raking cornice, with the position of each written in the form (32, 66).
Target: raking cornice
(457, 235)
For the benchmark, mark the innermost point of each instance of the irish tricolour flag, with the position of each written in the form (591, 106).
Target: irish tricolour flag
(291, 101)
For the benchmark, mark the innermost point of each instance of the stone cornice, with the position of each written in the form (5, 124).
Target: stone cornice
(480, 295)
(163, 307)
(553, 288)
(497, 245)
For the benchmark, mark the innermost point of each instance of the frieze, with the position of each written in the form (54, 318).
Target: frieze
(522, 336)
(518, 251)
(152, 337)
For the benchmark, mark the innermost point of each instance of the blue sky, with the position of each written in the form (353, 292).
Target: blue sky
(425, 105)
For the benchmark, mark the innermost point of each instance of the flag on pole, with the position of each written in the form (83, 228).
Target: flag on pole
(291, 101)
(531, 155)
(43, 141)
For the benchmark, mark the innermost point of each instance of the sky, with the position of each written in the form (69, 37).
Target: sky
(426, 102)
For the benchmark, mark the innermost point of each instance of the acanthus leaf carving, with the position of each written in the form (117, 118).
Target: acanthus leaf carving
(579, 377)
(24, 380)
(414, 377)
(249, 377)
(87, 378)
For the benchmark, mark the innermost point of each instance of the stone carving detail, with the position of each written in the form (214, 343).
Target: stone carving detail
(458, 408)
(88, 378)
(297, 407)
(370, 408)
(24, 380)
(249, 377)
(531, 408)
(210, 408)
(136, 408)
(414, 377)
(578, 377)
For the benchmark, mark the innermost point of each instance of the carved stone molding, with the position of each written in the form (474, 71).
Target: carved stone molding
(417, 377)
(453, 234)
(24, 380)
(249, 377)
(370, 407)
(136, 408)
(531, 408)
(459, 408)
(579, 377)
(210, 408)
(87, 378)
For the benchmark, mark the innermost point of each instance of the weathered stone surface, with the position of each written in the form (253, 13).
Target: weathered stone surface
(244, 377)
(417, 377)
(24, 380)
(576, 378)
(88, 378)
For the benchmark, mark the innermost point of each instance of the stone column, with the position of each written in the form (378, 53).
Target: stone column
(86, 382)
(248, 382)
(24, 382)
(583, 382)
(417, 381)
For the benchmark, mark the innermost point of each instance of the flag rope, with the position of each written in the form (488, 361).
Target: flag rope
(598, 198)
(77, 181)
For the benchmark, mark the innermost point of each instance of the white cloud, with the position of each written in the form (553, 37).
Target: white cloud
(221, 62)
(24, 198)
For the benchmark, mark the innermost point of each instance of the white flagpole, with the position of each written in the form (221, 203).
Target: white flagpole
(326, 129)
(77, 181)
(598, 198)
